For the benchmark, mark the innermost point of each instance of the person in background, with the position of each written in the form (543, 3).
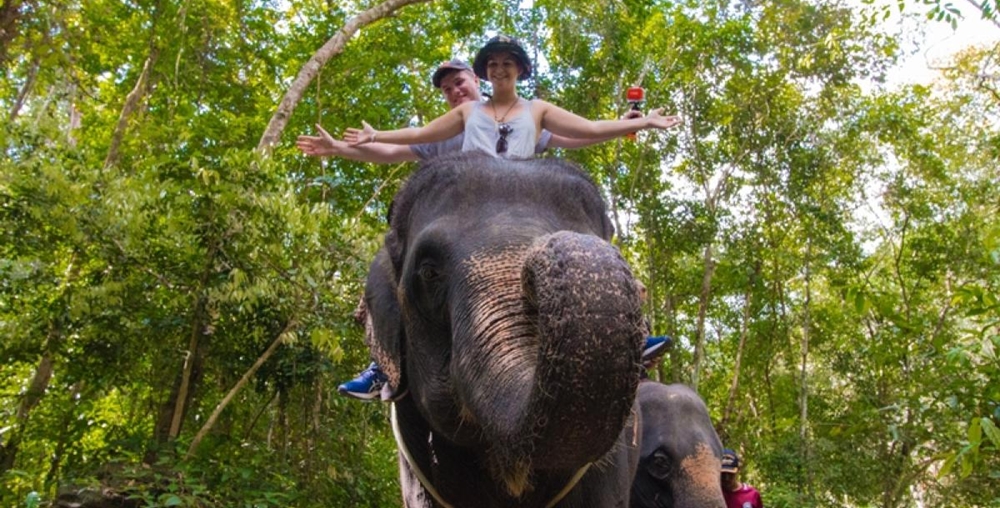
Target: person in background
(736, 493)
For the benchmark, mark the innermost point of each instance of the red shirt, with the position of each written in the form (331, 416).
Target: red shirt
(744, 497)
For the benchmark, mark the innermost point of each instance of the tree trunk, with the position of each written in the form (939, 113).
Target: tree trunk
(36, 389)
(237, 387)
(65, 436)
(22, 94)
(172, 411)
(180, 403)
(256, 417)
(706, 291)
(131, 103)
(333, 47)
(10, 15)
(804, 381)
(744, 331)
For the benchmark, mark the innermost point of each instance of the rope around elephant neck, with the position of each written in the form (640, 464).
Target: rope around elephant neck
(436, 495)
(569, 486)
(409, 459)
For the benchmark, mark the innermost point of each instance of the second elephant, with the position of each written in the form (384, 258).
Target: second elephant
(681, 454)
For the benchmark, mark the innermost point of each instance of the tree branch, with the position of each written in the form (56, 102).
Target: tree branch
(292, 324)
(131, 103)
(333, 47)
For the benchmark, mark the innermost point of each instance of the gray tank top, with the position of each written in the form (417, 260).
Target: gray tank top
(482, 133)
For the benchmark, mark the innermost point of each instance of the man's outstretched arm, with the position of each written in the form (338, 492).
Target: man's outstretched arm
(325, 145)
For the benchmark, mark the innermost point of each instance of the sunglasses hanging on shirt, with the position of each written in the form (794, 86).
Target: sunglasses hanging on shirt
(505, 130)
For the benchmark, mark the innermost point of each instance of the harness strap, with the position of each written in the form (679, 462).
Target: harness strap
(569, 486)
(425, 482)
(409, 459)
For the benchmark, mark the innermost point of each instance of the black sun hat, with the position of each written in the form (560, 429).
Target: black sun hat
(496, 45)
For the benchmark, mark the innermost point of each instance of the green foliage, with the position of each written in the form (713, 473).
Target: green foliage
(139, 234)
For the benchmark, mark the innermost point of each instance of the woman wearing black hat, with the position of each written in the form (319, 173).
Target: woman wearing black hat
(507, 125)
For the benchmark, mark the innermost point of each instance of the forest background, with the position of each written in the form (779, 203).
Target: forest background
(177, 283)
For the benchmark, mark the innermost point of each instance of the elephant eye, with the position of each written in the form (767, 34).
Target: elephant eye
(428, 273)
(429, 289)
(660, 465)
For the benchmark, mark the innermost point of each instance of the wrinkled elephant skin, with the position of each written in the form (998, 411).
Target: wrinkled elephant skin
(500, 308)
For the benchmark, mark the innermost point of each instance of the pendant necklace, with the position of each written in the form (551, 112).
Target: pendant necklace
(498, 121)
(503, 128)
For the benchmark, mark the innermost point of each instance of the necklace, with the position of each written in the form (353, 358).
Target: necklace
(503, 128)
(504, 117)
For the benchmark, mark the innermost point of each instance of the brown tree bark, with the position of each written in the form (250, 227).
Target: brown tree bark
(10, 14)
(744, 331)
(703, 303)
(210, 422)
(36, 389)
(65, 435)
(190, 360)
(333, 47)
(804, 373)
(172, 411)
(22, 94)
(131, 104)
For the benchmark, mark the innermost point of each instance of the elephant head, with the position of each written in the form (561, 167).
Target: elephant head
(681, 456)
(500, 307)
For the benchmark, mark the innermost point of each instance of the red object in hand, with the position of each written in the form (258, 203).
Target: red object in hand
(635, 96)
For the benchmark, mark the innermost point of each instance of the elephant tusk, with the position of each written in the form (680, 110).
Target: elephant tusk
(436, 495)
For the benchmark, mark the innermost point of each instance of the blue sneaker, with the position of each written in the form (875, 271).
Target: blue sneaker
(367, 385)
(655, 346)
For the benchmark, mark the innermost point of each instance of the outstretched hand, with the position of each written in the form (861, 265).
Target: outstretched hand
(320, 146)
(355, 137)
(658, 121)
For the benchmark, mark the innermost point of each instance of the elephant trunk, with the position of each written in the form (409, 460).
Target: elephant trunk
(571, 368)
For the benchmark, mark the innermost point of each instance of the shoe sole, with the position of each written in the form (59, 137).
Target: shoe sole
(654, 351)
(359, 396)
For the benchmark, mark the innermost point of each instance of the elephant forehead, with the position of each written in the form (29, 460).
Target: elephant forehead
(489, 263)
(479, 186)
(495, 223)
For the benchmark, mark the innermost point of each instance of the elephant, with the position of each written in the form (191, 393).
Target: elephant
(510, 330)
(681, 456)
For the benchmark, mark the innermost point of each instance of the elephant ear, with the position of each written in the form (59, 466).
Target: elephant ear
(383, 325)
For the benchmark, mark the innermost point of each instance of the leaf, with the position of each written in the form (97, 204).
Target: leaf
(949, 463)
(967, 463)
(860, 302)
(172, 500)
(975, 433)
(991, 431)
